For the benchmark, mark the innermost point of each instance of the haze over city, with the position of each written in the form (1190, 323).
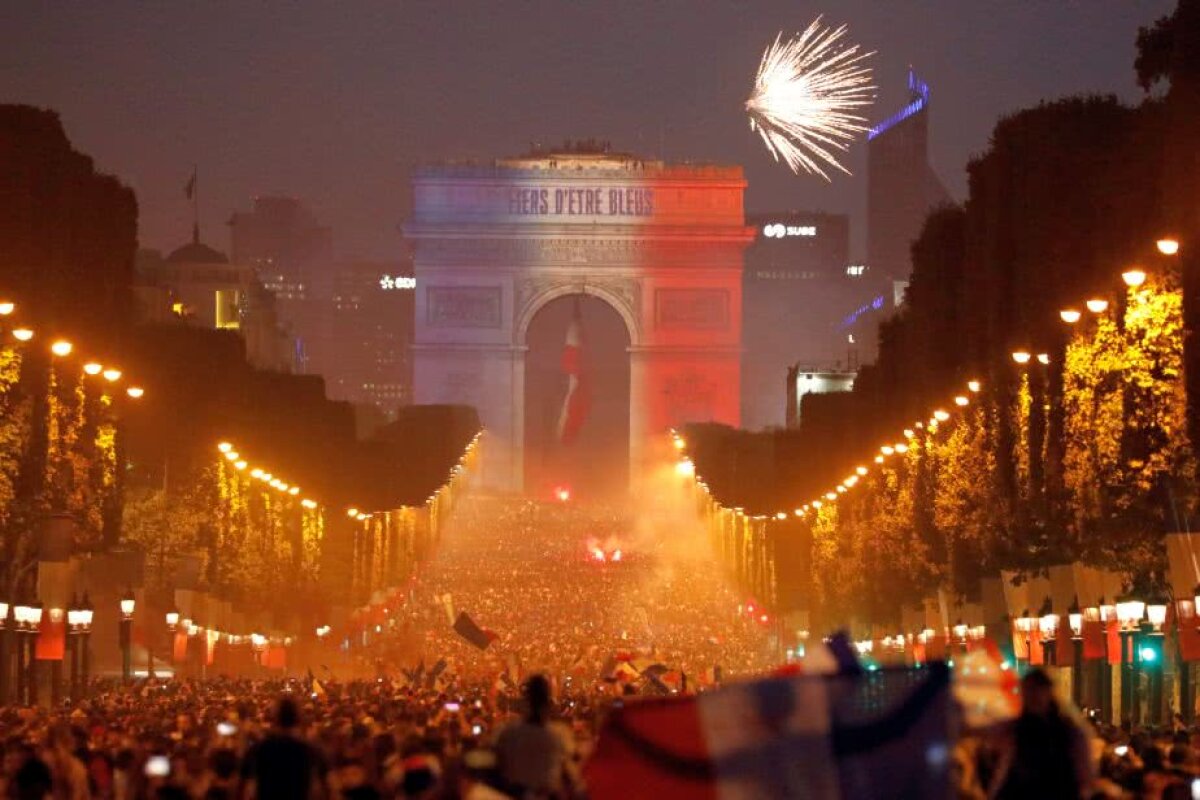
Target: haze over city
(334, 107)
(599, 400)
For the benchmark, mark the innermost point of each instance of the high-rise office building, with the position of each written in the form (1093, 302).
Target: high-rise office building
(803, 302)
(293, 256)
(370, 335)
(901, 185)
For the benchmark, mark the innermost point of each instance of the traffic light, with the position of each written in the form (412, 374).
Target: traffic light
(1150, 651)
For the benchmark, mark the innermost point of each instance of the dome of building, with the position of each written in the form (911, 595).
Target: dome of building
(196, 252)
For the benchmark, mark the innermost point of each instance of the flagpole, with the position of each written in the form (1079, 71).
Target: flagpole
(195, 205)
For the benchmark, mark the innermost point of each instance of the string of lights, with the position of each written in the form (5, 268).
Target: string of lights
(455, 471)
(1133, 277)
(241, 464)
(64, 348)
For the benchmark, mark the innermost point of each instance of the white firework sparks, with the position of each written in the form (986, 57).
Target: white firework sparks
(806, 96)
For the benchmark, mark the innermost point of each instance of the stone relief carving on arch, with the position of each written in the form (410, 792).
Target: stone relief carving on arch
(625, 294)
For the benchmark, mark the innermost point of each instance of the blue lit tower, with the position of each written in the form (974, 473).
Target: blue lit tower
(901, 185)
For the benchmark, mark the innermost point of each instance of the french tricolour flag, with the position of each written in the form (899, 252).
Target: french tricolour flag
(885, 734)
(576, 403)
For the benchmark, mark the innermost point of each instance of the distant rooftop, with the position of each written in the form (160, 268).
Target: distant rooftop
(583, 156)
(196, 252)
(579, 154)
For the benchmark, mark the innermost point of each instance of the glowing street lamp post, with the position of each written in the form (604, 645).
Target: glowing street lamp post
(79, 632)
(126, 635)
(28, 618)
(1075, 620)
(1151, 653)
(1129, 616)
(5, 666)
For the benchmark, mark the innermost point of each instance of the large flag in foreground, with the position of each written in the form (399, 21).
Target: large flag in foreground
(885, 734)
(578, 400)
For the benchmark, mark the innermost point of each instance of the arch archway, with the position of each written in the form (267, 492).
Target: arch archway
(596, 464)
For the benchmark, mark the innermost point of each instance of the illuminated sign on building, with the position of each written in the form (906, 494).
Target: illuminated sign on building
(856, 270)
(777, 230)
(585, 201)
(393, 282)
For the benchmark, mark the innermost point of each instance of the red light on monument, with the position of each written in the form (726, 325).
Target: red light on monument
(563, 494)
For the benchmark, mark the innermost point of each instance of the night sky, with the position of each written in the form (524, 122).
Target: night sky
(331, 102)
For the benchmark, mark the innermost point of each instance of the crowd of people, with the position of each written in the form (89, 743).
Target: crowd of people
(587, 610)
(572, 591)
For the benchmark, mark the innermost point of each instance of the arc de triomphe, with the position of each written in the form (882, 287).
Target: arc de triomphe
(661, 244)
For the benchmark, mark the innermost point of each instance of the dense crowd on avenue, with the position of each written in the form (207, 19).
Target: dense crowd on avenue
(574, 631)
(573, 591)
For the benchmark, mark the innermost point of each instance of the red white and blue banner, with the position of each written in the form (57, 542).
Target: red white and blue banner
(883, 735)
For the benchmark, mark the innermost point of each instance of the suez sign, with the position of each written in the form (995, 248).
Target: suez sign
(593, 201)
(777, 230)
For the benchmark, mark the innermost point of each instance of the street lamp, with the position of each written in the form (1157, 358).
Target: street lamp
(1021, 356)
(1075, 621)
(86, 613)
(1168, 246)
(74, 633)
(22, 334)
(28, 617)
(1048, 628)
(1024, 625)
(1097, 305)
(7, 308)
(1129, 616)
(1043, 358)
(1133, 278)
(61, 347)
(92, 368)
(128, 601)
(4, 659)
(1070, 315)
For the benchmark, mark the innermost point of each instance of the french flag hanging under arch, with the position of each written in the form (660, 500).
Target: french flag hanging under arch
(578, 401)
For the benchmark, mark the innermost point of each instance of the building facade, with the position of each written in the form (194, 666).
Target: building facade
(197, 285)
(292, 255)
(370, 335)
(660, 244)
(803, 302)
(902, 187)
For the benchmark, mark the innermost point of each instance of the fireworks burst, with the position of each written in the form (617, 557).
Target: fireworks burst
(806, 96)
